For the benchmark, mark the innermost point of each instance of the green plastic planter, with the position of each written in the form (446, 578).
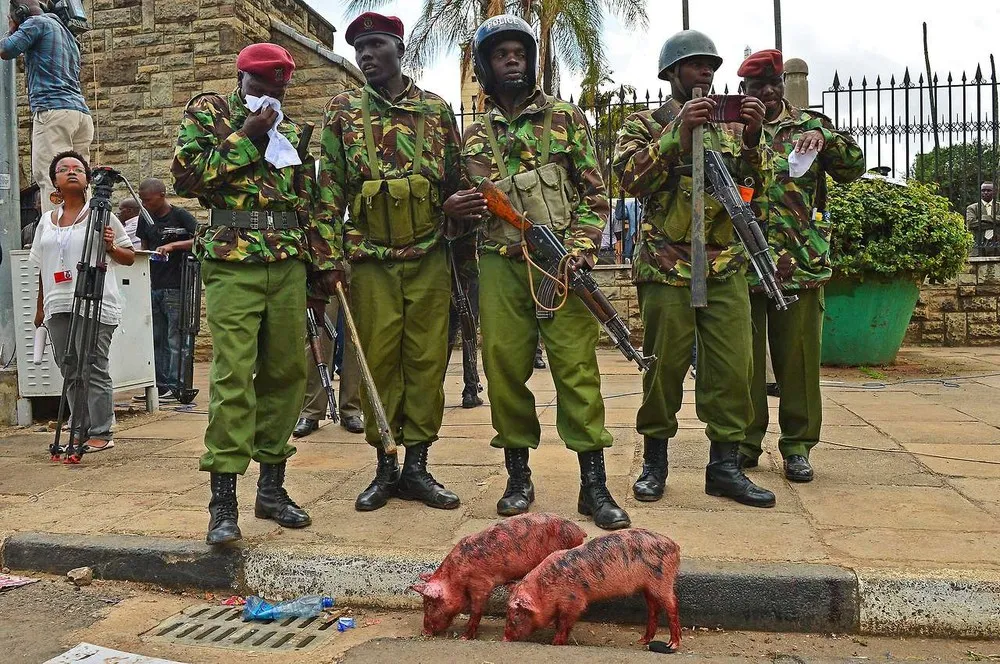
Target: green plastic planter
(866, 319)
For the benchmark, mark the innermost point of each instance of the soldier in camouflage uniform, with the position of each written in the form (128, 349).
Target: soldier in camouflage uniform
(792, 214)
(651, 157)
(540, 150)
(401, 281)
(256, 252)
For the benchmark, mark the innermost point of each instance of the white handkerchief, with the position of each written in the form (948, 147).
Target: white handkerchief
(280, 153)
(798, 164)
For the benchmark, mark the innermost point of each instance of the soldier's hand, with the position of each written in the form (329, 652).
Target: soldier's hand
(466, 205)
(694, 113)
(578, 262)
(259, 123)
(811, 140)
(752, 111)
(327, 282)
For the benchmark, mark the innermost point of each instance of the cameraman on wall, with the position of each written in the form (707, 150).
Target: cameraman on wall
(60, 117)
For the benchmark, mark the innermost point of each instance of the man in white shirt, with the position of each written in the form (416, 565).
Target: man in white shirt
(128, 212)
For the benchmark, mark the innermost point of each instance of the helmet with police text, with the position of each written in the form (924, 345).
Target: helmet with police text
(493, 31)
(686, 44)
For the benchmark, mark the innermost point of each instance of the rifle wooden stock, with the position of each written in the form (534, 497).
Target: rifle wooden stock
(499, 204)
(378, 410)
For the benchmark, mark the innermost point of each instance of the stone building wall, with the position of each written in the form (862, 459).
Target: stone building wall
(146, 58)
(962, 312)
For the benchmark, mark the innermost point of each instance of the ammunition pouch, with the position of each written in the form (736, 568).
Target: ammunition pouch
(546, 196)
(395, 213)
(674, 219)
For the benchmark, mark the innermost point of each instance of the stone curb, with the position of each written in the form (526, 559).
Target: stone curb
(772, 597)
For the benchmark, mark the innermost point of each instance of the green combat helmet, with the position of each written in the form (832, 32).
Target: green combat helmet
(686, 44)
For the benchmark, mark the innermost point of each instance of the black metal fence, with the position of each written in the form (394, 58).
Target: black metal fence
(945, 130)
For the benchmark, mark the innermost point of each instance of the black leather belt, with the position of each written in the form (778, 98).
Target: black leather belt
(255, 220)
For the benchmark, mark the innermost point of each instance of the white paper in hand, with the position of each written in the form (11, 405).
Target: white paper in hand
(799, 163)
(280, 153)
(38, 350)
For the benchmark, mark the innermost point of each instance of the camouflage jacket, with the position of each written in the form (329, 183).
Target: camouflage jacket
(344, 159)
(216, 162)
(647, 156)
(800, 241)
(572, 147)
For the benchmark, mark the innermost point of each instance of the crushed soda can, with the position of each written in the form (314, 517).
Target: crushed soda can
(345, 623)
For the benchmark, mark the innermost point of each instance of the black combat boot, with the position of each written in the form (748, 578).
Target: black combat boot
(417, 484)
(653, 479)
(382, 487)
(222, 524)
(273, 501)
(595, 500)
(520, 491)
(725, 478)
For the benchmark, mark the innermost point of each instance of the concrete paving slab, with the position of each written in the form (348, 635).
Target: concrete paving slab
(966, 433)
(76, 512)
(902, 549)
(836, 415)
(164, 475)
(900, 507)
(27, 478)
(167, 429)
(854, 467)
(768, 535)
(857, 436)
(188, 449)
(962, 461)
(924, 410)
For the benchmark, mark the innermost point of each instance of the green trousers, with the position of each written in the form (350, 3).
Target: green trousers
(256, 313)
(722, 330)
(794, 337)
(401, 310)
(510, 336)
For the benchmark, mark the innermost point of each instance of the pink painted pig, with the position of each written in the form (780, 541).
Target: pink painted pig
(502, 553)
(615, 565)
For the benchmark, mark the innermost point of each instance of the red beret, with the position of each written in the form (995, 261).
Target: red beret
(762, 63)
(371, 23)
(268, 61)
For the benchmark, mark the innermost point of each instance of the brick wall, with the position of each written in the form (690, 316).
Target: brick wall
(962, 312)
(146, 58)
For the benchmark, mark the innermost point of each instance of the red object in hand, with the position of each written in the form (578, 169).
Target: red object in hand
(503, 552)
(616, 565)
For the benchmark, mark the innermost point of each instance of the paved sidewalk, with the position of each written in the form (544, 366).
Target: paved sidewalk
(922, 493)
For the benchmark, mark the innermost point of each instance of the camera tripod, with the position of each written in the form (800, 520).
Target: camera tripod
(88, 300)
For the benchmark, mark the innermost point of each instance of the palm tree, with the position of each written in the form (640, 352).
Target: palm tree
(568, 30)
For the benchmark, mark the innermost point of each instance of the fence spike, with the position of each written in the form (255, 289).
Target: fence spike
(950, 79)
(920, 80)
(864, 82)
(878, 81)
(571, 99)
(935, 78)
(725, 90)
(892, 81)
(964, 78)
(836, 80)
(647, 96)
(979, 75)
(906, 78)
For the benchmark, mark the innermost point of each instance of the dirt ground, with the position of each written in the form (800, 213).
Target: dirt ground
(47, 618)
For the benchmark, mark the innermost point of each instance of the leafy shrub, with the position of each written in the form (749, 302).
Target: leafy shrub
(890, 230)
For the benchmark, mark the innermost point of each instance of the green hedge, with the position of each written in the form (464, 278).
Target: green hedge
(891, 230)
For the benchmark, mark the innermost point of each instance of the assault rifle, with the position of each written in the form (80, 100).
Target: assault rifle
(745, 222)
(550, 253)
(312, 331)
(464, 310)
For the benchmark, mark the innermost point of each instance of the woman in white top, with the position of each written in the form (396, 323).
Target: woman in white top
(56, 250)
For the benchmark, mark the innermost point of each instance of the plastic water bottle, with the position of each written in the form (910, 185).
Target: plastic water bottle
(304, 607)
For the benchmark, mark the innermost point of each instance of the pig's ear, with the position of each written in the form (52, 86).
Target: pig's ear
(522, 603)
(430, 590)
(425, 576)
(419, 588)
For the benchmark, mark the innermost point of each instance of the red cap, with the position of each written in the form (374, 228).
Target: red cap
(269, 61)
(371, 23)
(762, 63)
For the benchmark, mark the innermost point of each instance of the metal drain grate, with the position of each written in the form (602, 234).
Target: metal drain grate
(223, 627)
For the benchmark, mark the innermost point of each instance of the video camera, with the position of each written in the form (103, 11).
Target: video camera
(69, 12)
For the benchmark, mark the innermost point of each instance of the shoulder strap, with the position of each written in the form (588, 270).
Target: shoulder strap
(547, 136)
(366, 115)
(418, 146)
(492, 137)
